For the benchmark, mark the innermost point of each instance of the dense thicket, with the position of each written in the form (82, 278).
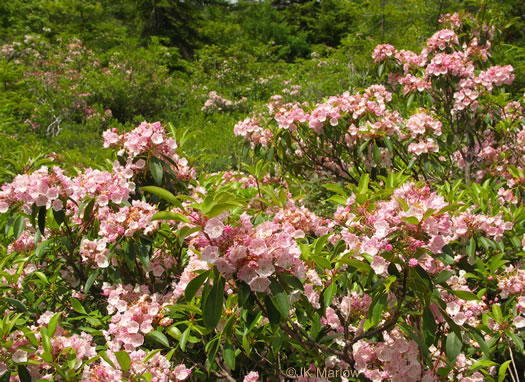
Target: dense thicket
(334, 189)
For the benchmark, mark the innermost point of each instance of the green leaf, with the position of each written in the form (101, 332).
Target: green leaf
(428, 213)
(123, 360)
(158, 337)
(502, 373)
(280, 299)
(229, 355)
(43, 245)
(322, 262)
(482, 363)
(409, 100)
(411, 220)
(377, 154)
(378, 309)
(464, 295)
(88, 211)
(23, 374)
(481, 341)
(19, 226)
(443, 276)
(471, 248)
(53, 323)
(329, 293)
(517, 340)
(336, 188)
(164, 194)
(388, 144)
(31, 337)
(184, 338)
(41, 276)
(219, 208)
(168, 215)
(91, 279)
(77, 305)
(291, 280)
(402, 203)
(19, 305)
(362, 188)
(273, 314)
(194, 285)
(319, 244)
(380, 69)
(429, 326)
(59, 216)
(453, 347)
(450, 207)
(496, 311)
(155, 167)
(212, 308)
(212, 348)
(357, 264)
(42, 219)
(44, 337)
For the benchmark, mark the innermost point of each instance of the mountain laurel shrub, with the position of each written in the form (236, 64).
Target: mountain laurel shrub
(152, 271)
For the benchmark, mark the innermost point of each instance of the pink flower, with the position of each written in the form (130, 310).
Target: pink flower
(519, 322)
(181, 372)
(379, 265)
(19, 356)
(214, 228)
(210, 254)
(437, 243)
(253, 376)
(260, 284)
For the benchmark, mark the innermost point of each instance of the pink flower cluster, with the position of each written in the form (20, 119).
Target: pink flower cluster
(394, 359)
(452, 20)
(454, 64)
(104, 186)
(459, 310)
(466, 224)
(135, 310)
(217, 102)
(421, 124)
(496, 75)
(368, 232)
(95, 251)
(423, 146)
(411, 83)
(382, 52)
(442, 39)
(161, 261)
(127, 220)
(512, 282)
(353, 307)
(61, 343)
(42, 188)
(372, 102)
(253, 254)
(288, 115)
(147, 137)
(157, 365)
(26, 241)
(248, 181)
(251, 130)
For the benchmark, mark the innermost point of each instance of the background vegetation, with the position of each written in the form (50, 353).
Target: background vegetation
(71, 68)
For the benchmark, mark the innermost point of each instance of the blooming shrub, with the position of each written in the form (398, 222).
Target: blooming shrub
(412, 273)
